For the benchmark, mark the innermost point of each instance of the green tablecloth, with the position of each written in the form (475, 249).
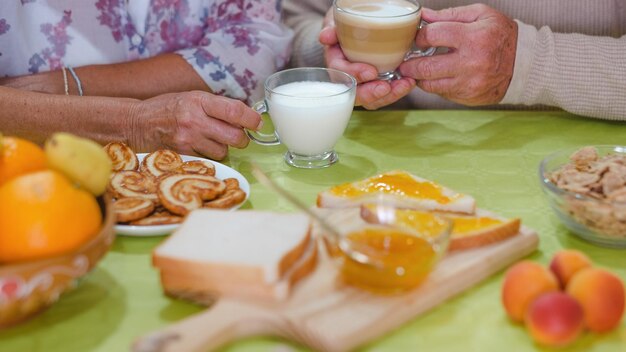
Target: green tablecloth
(492, 155)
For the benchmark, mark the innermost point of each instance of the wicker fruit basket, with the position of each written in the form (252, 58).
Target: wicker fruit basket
(30, 287)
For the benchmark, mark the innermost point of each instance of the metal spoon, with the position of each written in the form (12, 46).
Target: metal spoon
(345, 246)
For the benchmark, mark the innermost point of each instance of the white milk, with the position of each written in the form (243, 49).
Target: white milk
(310, 117)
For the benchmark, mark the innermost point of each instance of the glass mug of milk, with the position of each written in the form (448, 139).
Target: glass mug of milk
(380, 33)
(310, 108)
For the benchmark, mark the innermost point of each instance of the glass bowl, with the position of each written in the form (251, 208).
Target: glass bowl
(380, 253)
(587, 199)
(28, 288)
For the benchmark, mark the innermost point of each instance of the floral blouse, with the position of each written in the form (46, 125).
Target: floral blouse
(232, 44)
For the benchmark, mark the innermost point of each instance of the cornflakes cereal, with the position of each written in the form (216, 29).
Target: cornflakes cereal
(599, 178)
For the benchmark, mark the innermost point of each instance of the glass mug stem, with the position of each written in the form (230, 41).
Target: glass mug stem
(420, 52)
(413, 54)
(259, 137)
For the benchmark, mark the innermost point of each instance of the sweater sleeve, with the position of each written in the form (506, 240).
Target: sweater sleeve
(306, 18)
(582, 74)
(243, 44)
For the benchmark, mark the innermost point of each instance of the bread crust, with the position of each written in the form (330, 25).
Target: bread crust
(233, 271)
(467, 240)
(200, 288)
(486, 236)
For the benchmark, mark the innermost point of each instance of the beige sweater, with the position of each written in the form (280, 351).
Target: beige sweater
(571, 54)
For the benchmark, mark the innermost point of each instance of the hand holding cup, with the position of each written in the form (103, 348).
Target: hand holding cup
(380, 33)
(360, 50)
(478, 67)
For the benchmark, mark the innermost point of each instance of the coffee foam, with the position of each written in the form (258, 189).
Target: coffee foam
(388, 12)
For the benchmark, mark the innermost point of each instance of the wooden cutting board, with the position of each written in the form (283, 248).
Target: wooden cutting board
(327, 316)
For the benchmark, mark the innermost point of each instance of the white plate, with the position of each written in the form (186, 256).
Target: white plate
(221, 171)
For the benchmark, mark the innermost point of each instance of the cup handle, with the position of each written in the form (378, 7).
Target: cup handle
(258, 137)
(420, 52)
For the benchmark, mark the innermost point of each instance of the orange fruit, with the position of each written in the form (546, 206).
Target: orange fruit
(42, 214)
(19, 156)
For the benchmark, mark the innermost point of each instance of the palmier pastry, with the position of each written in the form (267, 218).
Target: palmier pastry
(122, 157)
(229, 199)
(163, 218)
(180, 193)
(129, 209)
(161, 162)
(198, 167)
(231, 183)
(133, 184)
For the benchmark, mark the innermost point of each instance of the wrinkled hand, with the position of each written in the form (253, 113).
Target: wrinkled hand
(193, 123)
(371, 93)
(478, 68)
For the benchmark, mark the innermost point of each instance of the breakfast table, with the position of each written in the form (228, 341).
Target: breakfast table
(491, 155)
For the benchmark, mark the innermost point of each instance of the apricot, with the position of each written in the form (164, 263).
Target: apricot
(601, 294)
(555, 319)
(524, 282)
(568, 262)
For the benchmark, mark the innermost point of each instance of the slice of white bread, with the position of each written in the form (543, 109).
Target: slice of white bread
(468, 231)
(243, 247)
(204, 289)
(406, 190)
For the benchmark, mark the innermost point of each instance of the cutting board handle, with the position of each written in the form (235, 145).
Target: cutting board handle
(225, 321)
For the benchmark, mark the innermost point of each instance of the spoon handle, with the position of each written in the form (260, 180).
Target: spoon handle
(266, 181)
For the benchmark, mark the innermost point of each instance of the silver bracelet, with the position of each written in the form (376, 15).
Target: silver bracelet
(77, 80)
(65, 85)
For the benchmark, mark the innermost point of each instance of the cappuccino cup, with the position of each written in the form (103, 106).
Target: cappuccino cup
(380, 33)
(310, 108)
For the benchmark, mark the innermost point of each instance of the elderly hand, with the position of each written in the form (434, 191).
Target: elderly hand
(193, 123)
(371, 93)
(478, 68)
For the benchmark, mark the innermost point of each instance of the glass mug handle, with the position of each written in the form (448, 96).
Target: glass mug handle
(258, 137)
(418, 52)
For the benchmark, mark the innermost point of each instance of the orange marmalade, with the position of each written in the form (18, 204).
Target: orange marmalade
(396, 183)
(401, 261)
(466, 225)
(427, 224)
